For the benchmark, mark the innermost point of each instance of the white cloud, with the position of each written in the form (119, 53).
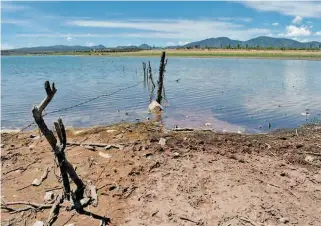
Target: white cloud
(182, 43)
(177, 29)
(275, 24)
(300, 40)
(244, 19)
(90, 44)
(5, 46)
(297, 20)
(318, 33)
(301, 8)
(69, 38)
(15, 22)
(294, 31)
(171, 44)
(9, 7)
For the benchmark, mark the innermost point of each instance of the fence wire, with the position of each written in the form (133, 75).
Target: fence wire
(77, 105)
(85, 102)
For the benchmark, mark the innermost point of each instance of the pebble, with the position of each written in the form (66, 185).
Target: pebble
(111, 131)
(38, 223)
(2, 145)
(176, 154)
(49, 196)
(309, 158)
(32, 146)
(208, 124)
(104, 155)
(154, 107)
(162, 142)
(284, 220)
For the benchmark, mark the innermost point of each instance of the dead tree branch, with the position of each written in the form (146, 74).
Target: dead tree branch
(161, 78)
(65, 167)
(54, 210)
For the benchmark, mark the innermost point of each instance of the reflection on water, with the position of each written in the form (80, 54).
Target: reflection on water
(224, 94)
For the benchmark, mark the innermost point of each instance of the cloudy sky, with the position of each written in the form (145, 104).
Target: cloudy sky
(27, 24)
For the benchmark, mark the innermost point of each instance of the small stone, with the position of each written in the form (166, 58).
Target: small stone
(38, 223)
(2, 145)
(284, 220)
(49, 197)
(162, 142)
(36, 182)
(299, 145)
(154, 107)
(283, 174)
(72, 224)
(32, 136)
(309, 158)
(176, 154)
(208, 124)
(31, 147)
(111, 131)
(104, 155)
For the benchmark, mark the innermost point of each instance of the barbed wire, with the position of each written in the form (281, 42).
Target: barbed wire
(84, 102)
(92, 99)
(76, 105)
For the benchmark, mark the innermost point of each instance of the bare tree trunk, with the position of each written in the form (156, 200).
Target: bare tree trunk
(65, 167)
(161, 78)
(144, 70)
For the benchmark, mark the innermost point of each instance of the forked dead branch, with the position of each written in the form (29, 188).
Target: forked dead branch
(78, 199)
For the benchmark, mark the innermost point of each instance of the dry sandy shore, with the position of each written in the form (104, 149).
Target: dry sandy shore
(196, 178)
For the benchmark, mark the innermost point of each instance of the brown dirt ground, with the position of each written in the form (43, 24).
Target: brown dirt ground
(197, 178)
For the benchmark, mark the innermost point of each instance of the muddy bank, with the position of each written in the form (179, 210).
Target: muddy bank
(151, 176)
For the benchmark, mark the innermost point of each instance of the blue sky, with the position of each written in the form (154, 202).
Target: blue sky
(27, 24)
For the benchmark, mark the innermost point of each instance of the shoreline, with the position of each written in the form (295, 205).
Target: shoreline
(132, 164)
(236, 54)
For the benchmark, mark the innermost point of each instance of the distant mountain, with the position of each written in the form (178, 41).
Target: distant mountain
(55, 48)
(263, 41)
(145, 46)
(220, 42)
(142, 46)
(64, 48)
(127, 47)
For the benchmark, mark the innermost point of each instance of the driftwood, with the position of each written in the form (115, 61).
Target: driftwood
(27, 206)
(101, 145)
(54, 210)
(161, 78)
(65, 167)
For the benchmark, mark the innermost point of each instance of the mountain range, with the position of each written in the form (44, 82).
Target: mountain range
(221, 42)
(262, 41)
